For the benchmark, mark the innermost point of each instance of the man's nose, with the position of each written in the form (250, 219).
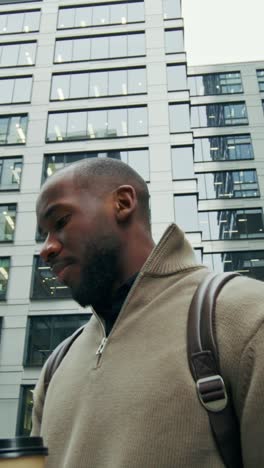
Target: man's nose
(51, 248)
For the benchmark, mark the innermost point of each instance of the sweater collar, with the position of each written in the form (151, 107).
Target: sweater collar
(172, 254)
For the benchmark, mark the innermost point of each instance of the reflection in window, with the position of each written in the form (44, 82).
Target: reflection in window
(13, 129)
(232, 224)
(45, 283)
(138, 159)
(249, 263)
(106, 123)
(179, 115)
(7, 222)
(177, 77)
(100, 15)
(215, 83)
(182, 162)
(260, 76)
(99, 47)
(10, 173)
(171, 9)
(174, 41)
(24, 422)
(19, 54)
(185, 207)
(98, 84)
(46, 332)
(219, 115)
(15, 90)
(4, 274)
(19, 22)
(228, 184)
(223, 148)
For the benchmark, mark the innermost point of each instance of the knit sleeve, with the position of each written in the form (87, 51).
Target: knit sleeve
(251, 392)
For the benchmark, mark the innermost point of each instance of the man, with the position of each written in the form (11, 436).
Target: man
(123, 396)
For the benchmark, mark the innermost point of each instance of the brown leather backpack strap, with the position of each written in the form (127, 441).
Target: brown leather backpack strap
(205, 368)
(57, 356)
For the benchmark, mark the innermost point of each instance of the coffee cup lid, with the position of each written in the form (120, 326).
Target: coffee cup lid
(22, 446)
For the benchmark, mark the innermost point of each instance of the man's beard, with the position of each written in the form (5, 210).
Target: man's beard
(99, 273)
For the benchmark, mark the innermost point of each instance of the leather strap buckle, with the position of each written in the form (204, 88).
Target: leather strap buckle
(212, 393)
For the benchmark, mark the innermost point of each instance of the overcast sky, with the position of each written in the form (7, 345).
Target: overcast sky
(219, 31)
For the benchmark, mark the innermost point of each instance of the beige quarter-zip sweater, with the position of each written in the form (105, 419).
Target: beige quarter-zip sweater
(134, 405)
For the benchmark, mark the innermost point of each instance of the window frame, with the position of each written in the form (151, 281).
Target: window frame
(231, 171)
(15, 158)
(4, 296)
(215, 74)
(17, 78)
(9, 117)
(220, 106)
(19, 44)
(225, 138)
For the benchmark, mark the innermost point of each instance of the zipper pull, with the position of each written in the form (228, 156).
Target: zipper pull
(101, 347)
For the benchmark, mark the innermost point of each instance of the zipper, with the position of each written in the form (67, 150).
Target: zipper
(104, 340)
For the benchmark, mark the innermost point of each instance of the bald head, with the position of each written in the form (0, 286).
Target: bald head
(103, 175)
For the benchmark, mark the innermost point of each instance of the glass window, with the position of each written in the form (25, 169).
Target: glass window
(135, 12)
(174, 41)
(136, 45)
(60, 88)
(98, 84)
(171, 9)
(24, 421)
(117, 82)
(45, 332)
(63, 50)
(137, 81)
(182, 162)
(118, 46)
(260, 76)
(6, 90)
(27, 54)
(81, 49)
(9, 56)
(44, 284)
(100, 15)
(101, 124)
(215, 83)
(177, 77)
(10, 173)
(228, 184)
(79, 86)
(99, 47)
(223, 148)
(19, 22)
(4, 274)
(83, 16)
(136, 158)
(179, 117)
(7, 222)
(186, 212)
(22, 89)
(137, 121)
(232, 224)
(219, 115)
(13, 129)
(248, 263)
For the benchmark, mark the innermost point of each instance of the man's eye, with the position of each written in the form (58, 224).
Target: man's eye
(60, 223)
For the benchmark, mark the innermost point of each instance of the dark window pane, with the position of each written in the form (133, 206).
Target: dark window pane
(228, 184)
(223, 148)
(4, 274)
(186, 212)
(24, 423)
(45, 284)
(46, 332)
(232, 224)
(260, 76)
(177, 77)
(216, 83)
(7, 222)
(249, 263)
(136, 158)
(219, 115)
(174, 41)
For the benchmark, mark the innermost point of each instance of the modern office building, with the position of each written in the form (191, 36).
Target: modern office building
(109, 79)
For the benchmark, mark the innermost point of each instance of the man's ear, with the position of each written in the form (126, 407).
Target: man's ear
(125, 200)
